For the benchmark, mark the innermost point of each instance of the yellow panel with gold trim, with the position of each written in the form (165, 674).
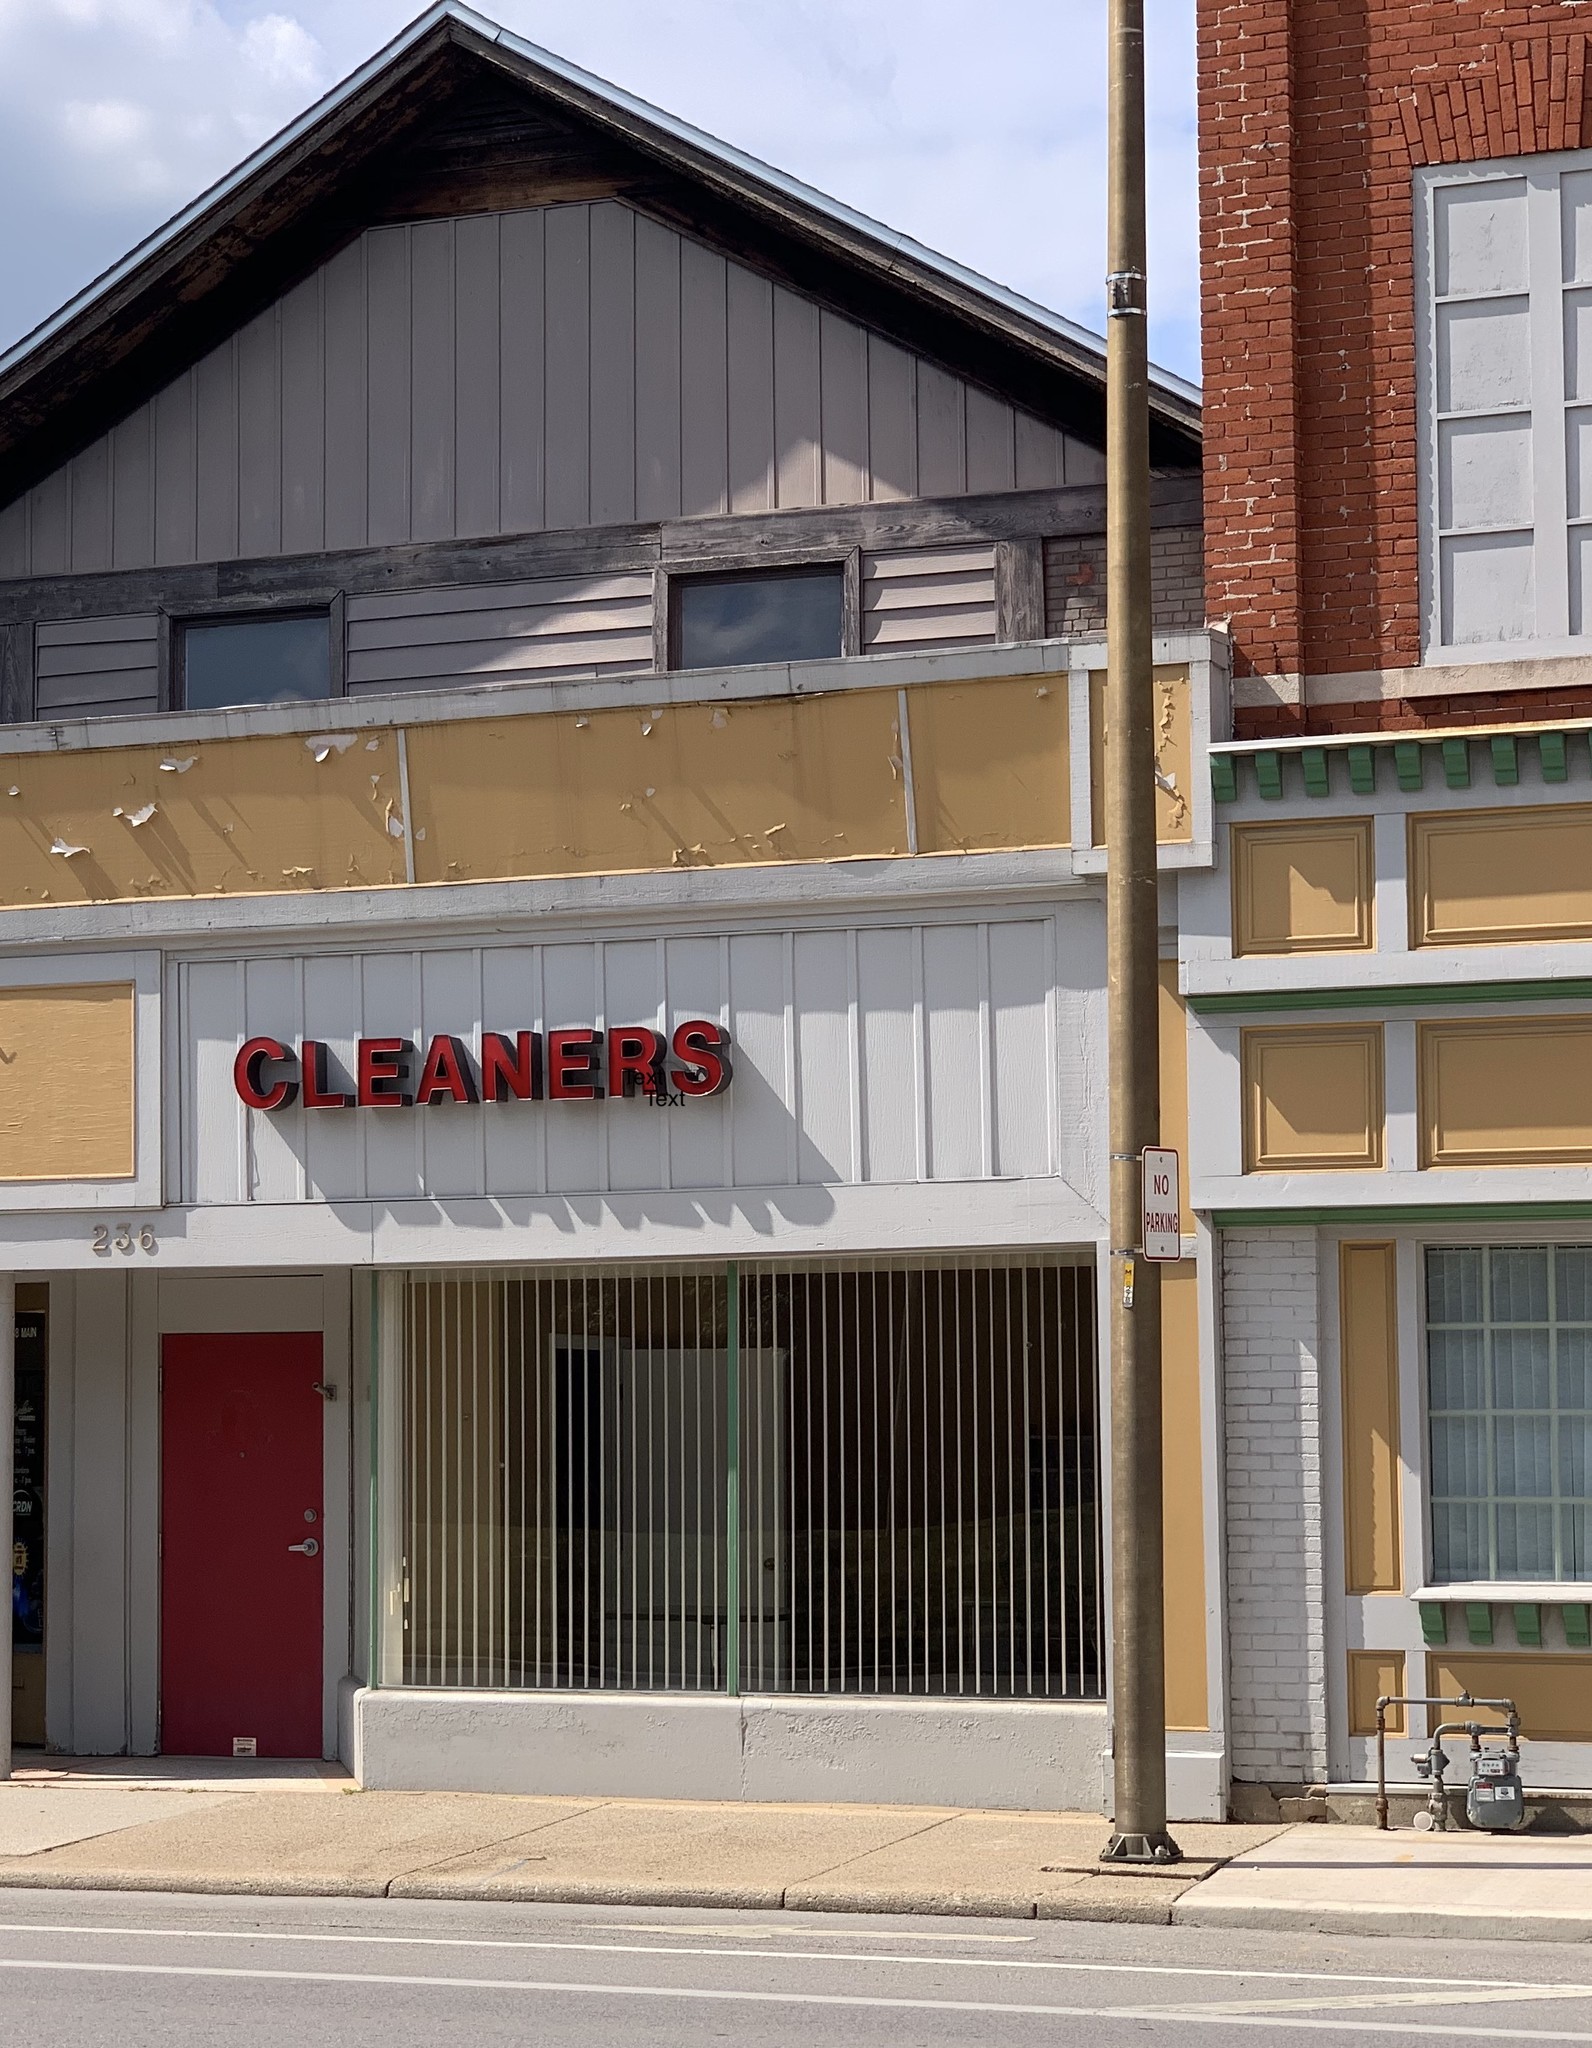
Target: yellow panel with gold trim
(1375, 1675)
(695, 785)
(1368, 1341)
(1511, 1091)
(1312, 1097)
(1303, 887)
(1483, 878)
(989, 764)
(1553, 1691)
(67, 1083)
(235, 817)
(1174, 754)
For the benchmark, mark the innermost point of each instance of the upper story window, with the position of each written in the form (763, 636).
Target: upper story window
(1504, 344)
(767, 615)
(227, 662)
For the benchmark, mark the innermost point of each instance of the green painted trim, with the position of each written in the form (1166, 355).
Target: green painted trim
(1456, 762)
(1362, 769)
(732, 1481)
(1409, 764)
(1396, 996)
(1551, 752)
(1411, 1212)
(1478, 1623)
(1313, 761)
(1573, 1620)
(1434, 1623)
(1528, 1625)
(1268, 776)
(1505, 760)
(1224, 778)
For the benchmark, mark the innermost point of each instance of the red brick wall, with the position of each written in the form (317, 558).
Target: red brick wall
(1313, 114)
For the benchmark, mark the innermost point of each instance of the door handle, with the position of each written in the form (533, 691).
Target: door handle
(308, 1548)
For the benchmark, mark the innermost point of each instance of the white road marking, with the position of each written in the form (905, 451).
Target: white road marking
(1178, 2016)
(776, 1955)
(1497, 1995)
(802, 1933)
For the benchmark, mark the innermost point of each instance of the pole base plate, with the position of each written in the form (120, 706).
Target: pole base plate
(1141, 1848)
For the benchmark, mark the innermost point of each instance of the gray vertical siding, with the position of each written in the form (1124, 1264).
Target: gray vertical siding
(556, 367)
(92, 668)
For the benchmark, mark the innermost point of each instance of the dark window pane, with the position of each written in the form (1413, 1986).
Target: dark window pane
(723, 621)
(255, 661)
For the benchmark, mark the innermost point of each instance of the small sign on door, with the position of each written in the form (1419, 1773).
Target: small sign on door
(1162, 1222)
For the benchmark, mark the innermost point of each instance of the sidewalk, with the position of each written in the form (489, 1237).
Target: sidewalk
(256, 1831)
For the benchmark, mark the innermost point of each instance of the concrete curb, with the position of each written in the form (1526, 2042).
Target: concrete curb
(273, 1885)
(729, 1898)
(1462, 1923)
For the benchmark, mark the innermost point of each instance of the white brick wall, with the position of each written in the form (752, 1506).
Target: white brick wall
(1276, 1614)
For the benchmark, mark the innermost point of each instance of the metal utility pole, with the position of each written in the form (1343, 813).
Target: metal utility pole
(1138, 1650)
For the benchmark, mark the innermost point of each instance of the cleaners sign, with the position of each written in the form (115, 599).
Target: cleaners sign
(575, 1065)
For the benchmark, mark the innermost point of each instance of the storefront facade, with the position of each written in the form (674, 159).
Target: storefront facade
(1388, 970)
(553, 1170)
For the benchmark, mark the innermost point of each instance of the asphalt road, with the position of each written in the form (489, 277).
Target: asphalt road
(120, 1970)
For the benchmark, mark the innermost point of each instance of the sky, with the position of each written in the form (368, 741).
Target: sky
(976, 126)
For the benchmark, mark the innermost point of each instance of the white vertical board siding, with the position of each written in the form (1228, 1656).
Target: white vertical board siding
(927, 598)
(96, 667)
(555, 367)
(499, 633)
(862, 1054)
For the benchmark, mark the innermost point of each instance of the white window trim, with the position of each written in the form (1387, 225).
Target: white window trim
(1550, 499)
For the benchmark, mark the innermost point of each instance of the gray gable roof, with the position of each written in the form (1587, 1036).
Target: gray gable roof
(436, 104)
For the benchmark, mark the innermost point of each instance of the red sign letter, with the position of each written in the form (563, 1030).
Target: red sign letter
(248, 1074)
(313, 1064)
(516, 1071)
(635, 1060)
(704, 1049)
(381, 1073)
(574, 1064)
(446, 1076)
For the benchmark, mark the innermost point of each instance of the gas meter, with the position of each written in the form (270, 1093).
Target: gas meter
(1495, 1798)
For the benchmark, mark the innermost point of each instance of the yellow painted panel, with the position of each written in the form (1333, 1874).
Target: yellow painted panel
(1312, 1098)
(1303, 887)
(1368, 1337)
(27, 1700)
(1183, 1498)
(1487, 877)
(989, 764)
(1174, 755)
(1174, 1080)
(1375, 1675)
(697, 785)
(1552, 1691)
(1510, 1092)
(66, 1083)
(241, 817)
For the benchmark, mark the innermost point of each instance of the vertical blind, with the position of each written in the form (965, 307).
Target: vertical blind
(1509, 1363)
(867, 1479)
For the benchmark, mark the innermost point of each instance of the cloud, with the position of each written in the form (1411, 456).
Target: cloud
(283, 51)
(976, 126)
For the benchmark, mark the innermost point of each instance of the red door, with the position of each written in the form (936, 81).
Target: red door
(242, 1546)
